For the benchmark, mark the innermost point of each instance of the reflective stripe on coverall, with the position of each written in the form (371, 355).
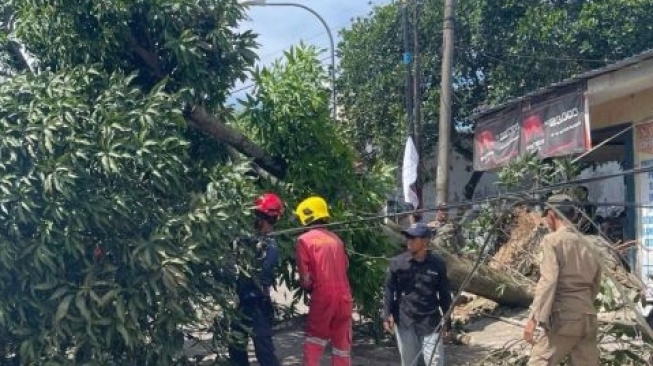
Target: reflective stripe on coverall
(322, 264)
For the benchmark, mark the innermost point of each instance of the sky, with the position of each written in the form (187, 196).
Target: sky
(280, 27)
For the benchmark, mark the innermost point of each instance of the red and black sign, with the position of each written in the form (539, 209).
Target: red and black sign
(565, 131)
(497, 142)
(552, 128)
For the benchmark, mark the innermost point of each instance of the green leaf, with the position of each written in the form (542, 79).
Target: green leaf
(62, 309)
(80, 303)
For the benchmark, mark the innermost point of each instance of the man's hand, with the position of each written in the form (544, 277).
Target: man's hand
(529, 331)
(389, 324)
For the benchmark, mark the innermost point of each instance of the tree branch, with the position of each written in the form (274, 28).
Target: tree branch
(150, 59)
(13, 48)
(202, 120)
(17, 56)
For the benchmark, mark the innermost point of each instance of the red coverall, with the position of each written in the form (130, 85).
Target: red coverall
(322, 263)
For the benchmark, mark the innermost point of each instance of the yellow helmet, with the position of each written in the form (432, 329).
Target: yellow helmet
(312, 209)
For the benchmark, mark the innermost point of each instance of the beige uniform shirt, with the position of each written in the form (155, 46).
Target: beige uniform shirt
(570, 277)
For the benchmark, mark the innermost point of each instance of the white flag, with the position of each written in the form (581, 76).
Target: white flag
(409, 173)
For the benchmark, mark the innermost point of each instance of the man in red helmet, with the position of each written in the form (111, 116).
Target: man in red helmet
(322, 265)
(253, 289)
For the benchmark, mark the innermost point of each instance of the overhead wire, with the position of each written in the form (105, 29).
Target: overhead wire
(251, 85)
(489, 199)
(543, 58)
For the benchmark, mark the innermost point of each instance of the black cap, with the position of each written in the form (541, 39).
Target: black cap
(417, 230)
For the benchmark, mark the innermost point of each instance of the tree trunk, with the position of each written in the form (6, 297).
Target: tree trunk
(498, 286)
(199, 118)
(202, 120)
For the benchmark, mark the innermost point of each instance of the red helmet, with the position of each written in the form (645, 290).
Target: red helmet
(269, 204)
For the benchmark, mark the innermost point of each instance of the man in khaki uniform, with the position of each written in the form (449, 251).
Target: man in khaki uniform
(448, 234)
(563, 305)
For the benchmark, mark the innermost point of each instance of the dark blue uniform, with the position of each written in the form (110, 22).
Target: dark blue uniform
(255, 304)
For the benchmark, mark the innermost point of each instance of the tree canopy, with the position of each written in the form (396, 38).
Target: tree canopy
(124, 179)
(503, 49)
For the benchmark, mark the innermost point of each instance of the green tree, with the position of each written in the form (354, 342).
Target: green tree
(503, 49)
(108, 238)
(288, 114)
(120, 186)
(116, 216)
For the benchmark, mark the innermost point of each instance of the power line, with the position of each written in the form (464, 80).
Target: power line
(251, 85)
(521, 196)
(489, 54)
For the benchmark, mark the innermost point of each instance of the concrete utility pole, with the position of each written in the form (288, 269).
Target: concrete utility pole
(408, 59)
(417, 103)
(444, 143)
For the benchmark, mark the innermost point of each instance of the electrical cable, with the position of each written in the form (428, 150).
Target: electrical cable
(532, 191)
(251, 85)
(481, 258)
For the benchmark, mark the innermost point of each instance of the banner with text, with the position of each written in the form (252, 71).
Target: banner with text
(496, 142)
(556, 127)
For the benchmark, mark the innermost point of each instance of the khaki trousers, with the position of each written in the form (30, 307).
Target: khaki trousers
(570, 334)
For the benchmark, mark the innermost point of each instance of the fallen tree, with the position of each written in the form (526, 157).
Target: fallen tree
(505, 285)
(504, 288)
(500, 286)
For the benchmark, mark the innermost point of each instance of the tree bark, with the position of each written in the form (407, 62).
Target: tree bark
(198, 117)
(202, 120)
(492, 284)
(496, 285)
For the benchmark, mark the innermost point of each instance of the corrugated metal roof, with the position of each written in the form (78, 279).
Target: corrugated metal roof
(574, 79)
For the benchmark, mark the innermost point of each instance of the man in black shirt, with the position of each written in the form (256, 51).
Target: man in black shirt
(417, 295)
(253, 289)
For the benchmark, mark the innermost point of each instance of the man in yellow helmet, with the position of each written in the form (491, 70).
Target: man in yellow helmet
(322, 265)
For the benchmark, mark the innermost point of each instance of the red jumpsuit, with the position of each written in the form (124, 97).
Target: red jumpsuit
(322, 263)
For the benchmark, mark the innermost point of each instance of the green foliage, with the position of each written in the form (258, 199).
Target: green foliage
(115, 216)
(106, 256)
(530, 172)
(530, 44)
(193, 43)
(503, 49)
(288, 114)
